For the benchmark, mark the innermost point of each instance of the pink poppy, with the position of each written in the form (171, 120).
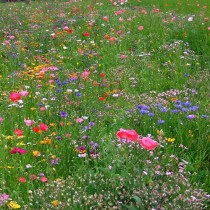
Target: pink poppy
(43, 127)
(141, 28)
(23, 93)
(85, 74)
(43, 179)
(29, 122)
(147, 143)
(79, 120)
(123, 56)
(131, 135)
(105, 18)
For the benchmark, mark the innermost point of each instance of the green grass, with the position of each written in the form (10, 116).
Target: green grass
(154, 81)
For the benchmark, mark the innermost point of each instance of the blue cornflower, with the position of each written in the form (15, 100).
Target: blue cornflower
(79, 94)
(175, 111)
(151, 114)
(185, 109)
(64, 114)
(194, 108)
(178, 106)
(163, 109)
(143, 111)
(161, 121)
(187, 103)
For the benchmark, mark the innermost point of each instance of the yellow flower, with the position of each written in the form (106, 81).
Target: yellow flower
(21, 143)
(160, 132)
(170, 139)
(13, 205)
(46, 141)
(55, 203)
(36, 153)
(9, 137)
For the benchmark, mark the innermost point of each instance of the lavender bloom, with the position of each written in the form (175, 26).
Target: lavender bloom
(55, 161)
(187, 103)
(194, 108)
(185, 109)
(143, 111)
(161, 121)
(163, 109)
(175, 111)
(151, 114)
(178, 106)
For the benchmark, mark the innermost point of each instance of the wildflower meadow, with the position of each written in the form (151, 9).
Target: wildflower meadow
(105, 104)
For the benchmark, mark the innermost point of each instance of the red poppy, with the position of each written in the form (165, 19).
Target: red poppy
(18, 132)
(37, 129)
(22, 180)
(131, 135)
(14, 96)
(86, 34)
(102, 75)
(102, 98)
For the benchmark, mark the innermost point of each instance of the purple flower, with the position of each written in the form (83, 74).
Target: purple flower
(161, 121)
(205, 116)
(151, 114)
(79, 94)
(178, 106)
(187, 103)
(194, 108)
(175, 111)
(92, 124)
(96, 145)
(191, 116)
(185, 109)
(64, 114)
(55, 161)
(143, 111)
(163, 109)
(58, 137)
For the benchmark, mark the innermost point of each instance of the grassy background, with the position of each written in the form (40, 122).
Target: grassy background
(166, 62)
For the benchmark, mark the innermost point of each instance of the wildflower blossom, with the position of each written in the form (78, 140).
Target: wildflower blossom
(3, 198)
(147, 143)
(131, 135)
(13, 205)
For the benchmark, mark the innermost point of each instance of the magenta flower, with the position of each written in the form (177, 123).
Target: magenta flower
(21, 151)
(3, 197)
